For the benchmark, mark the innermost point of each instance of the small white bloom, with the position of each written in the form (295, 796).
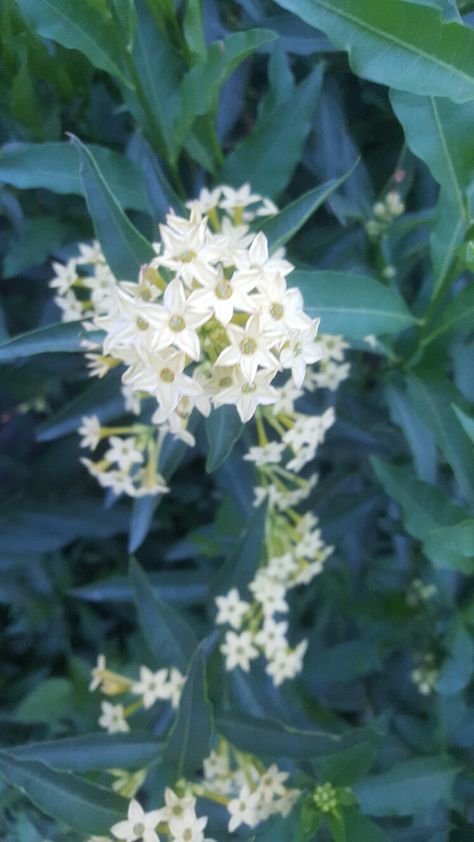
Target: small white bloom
(232, 609)
(238, 650)
(113, 719)
(243, 809)
(152, 686)
(90, 431)
(138, 825)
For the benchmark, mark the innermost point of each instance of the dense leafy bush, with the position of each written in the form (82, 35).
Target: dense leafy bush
(222, 534)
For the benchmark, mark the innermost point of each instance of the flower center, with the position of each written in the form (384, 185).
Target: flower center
(188, 834)
(142, 323)
(248, 388)
(277, 311)
(177, 323)
(297, 349)
(139, 829)
(166, 375)
(223, 290)
(248, 346)
(225, 382)
(187, 256)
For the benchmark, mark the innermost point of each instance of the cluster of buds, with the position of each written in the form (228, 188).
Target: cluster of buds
(384, 212)
(426, 673)
(163, 685)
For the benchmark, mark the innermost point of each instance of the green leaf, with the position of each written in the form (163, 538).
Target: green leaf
(193, 29)
(457, 316)
(124, 247)
(92, 751)
(55, 167)
(417, 434)
(103, 399)
(65, 797)
(409, 787)
(361, 828)
(168, 636)
(239, 568)
(223, 429)
(337, 826)
(77, 26)
(127, 18)
(270, 738)
(466, 422)
(258, 158)
(201, 85)
(64, 337)
(438, 132)
(343, 768)
(397, 43)
(447, 233)
(433, 397)
(189, 740)
(452, 547)
(352, 305)
(159, 67)
(425, 507)
(457, 669)
(285, 224)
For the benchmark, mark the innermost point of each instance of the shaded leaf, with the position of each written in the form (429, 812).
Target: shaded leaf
(189, 740)
(352, 305)
(65, 797)
(223, 429)
(124, 247)
(169, 637)
(239, 568)
(92, 751)
(409, 787)
(397, 43)
(63, 337)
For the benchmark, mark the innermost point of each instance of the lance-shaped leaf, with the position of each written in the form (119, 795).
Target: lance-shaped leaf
(55, 166)
(64, 337)
(396, 43)
(433, 399)
(352, 305)
(223, 429)
(467, 423)
(92, 751)
(258, 159)
(452, 547)
(201, 85)
(447, 233)
(285, 224)
(189, 740)
(410, 787)
(242, 562)
(271, 738)
(457, 316)
(124, 247)
(78, 26)
(65, 797)
(169, 637)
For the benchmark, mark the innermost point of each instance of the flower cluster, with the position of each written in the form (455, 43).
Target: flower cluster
(163, 685)
(177, 819)
(210, 321)
(426, 674)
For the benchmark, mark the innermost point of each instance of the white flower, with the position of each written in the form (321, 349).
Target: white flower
(245, 395)
(223, 296)
(286, 663)
(281, 567)
(90, 431)
(243, 810)
(272, 636)
(176, 806)
(271, 784)
(232, 609)
(124, 452)
(249, 348)
(152, 686)
(176, 321)
(188, 828)
(65, 276)
(175, 683)
(281, 309)
(113, 718)
(97, 673)
(270, 594)
(238, 650)
(270, 453)
(300, 350)
(139, 825)
(257, 264)
(240, 198)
